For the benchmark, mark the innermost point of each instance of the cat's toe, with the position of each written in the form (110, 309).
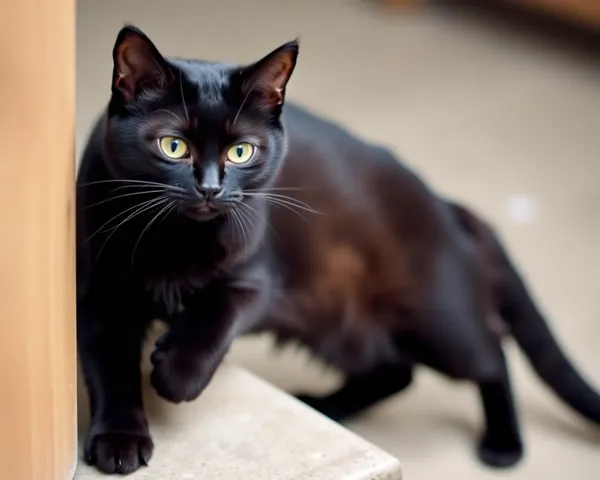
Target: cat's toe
(120, 453)
(500, 454)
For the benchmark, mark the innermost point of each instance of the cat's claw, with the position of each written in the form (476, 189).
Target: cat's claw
(120, 453)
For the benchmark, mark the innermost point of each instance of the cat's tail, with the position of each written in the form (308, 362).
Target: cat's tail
(527, 324)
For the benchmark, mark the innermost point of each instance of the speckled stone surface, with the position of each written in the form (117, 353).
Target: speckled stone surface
(244, 428)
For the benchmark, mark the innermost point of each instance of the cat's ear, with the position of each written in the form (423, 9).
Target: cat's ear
(270, 75)
(138, 65)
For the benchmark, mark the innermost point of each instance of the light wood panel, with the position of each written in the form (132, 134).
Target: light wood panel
(37, 341)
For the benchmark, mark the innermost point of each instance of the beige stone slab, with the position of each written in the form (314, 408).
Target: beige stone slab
(244, 428)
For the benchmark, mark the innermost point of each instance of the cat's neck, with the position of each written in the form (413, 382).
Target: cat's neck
(177, 246)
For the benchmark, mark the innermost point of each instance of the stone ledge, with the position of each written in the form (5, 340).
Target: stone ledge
(244, 428)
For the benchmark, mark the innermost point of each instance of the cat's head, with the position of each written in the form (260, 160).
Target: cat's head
(207, 131)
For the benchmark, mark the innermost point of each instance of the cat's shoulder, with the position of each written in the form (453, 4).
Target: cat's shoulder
(308, 130)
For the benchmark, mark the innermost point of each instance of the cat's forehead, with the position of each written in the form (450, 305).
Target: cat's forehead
(208, 80)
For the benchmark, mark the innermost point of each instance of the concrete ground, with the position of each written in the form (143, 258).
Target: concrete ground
(497, 116)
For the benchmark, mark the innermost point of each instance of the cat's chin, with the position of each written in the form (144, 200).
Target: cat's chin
(202, 214)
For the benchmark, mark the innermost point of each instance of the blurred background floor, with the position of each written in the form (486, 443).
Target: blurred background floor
(499, 116)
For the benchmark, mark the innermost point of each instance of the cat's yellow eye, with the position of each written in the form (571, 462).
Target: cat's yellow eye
(240, 153)
(174, 147)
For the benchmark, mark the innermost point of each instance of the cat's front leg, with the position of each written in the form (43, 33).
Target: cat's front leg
(187, 356)
(109, 344)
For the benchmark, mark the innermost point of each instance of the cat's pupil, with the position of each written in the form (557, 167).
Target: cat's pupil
(239, 150)
(174, 146)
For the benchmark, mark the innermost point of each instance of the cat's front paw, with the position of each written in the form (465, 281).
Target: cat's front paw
(177, 375)
(121, 453)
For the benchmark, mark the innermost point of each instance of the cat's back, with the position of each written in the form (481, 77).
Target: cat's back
(313, 138)
(333, 170)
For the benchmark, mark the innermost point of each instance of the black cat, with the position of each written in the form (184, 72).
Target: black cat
(197, 206)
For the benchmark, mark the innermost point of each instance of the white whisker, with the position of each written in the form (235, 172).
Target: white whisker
(247, 219)
(117, 180)
(164, 110)
(147, 227)
(172, 188)
(187, 115)
(241, 224)
(124, 212)
(143, 209)
(275, 189)
(147, 192)
(284, 199)
(258, 214)
(233, 218)
(242, 106)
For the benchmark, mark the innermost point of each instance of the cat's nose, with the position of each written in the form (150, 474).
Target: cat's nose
(209, 191)
(208, 182)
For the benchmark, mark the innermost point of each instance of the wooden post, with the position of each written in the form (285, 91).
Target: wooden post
(37, 279)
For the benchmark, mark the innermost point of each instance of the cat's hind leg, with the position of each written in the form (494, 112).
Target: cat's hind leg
(500, 445)
(455, 339)
(361, 391)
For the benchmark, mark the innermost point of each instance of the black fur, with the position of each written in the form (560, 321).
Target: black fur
(320, 238)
